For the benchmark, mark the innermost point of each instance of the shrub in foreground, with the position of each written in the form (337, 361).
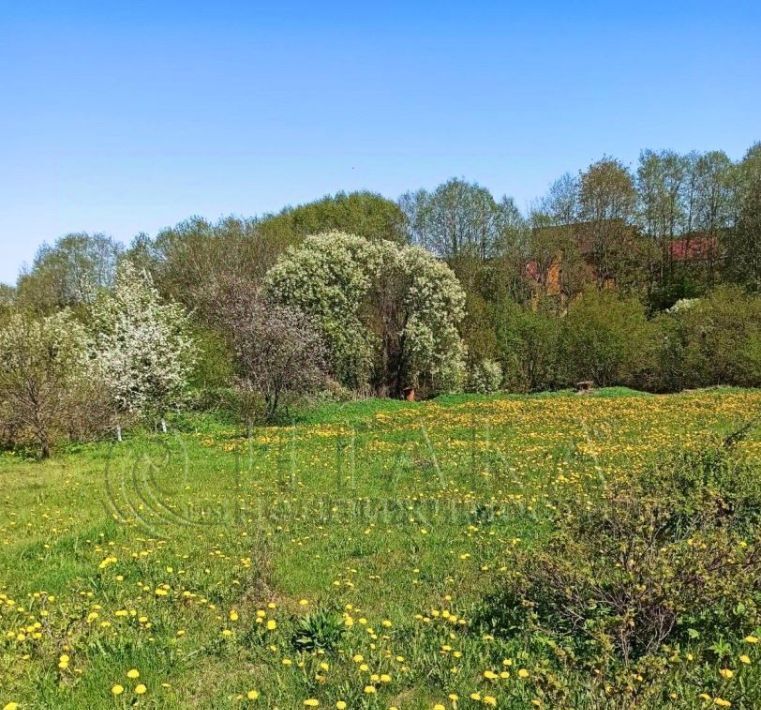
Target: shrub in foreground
(672, 556)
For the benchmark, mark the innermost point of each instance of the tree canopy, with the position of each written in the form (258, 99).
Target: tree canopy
(389, 313)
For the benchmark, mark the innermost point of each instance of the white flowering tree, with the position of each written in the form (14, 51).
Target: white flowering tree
(389, 313)
(141, 347)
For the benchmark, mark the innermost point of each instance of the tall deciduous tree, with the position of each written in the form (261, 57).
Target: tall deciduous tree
(715, 193)
(365, 214)
(70, 272)
(607, 200)
(460, 219)
(560, 206)
(744, 248)
(186, 257)
(141, 346)
(389, 313)
(662, 180)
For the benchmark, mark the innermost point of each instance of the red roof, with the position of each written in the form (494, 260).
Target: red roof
(695, 248)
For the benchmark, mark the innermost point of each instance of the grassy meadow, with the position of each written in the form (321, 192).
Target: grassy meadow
(336, 561)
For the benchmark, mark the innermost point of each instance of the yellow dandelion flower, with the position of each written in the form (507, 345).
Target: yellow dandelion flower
(117, 689)
(140, 689)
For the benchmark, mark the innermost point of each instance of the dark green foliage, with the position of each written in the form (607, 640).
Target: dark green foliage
(527, 346)
(365, 214)
(605, 338)
(477, 331)
(715, 340)
(214, 364)
(322, 629)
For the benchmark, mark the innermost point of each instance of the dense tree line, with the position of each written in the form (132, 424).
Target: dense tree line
(647, 276)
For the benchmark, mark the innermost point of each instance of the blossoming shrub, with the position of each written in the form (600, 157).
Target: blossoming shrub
(485, 376)
(671, 556)
(142, 348)
(389, 313)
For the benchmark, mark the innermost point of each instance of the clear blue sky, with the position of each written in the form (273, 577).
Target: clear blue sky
(129, 116)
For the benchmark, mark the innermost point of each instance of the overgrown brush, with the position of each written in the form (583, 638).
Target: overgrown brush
(670, 556)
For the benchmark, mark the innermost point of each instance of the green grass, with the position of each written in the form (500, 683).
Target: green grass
(385, 513)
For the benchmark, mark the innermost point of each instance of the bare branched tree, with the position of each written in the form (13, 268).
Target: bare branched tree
(277, 350)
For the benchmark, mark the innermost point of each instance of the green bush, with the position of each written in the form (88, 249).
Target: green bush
(484, 376)
(714, 340)
(527, 344)
(606, 339)
(670, 556)
(213, 368)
